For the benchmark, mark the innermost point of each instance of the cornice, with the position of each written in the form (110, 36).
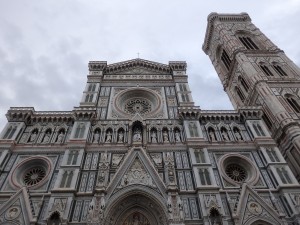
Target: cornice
(134, 63)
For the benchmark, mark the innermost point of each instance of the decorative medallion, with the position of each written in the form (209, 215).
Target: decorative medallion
(12, 213)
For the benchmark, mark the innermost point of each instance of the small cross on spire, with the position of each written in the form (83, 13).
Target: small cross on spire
(138, 55)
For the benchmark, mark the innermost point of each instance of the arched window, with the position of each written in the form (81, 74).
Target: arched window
(91, 98)
(279, 70)
(225, 59)
(199, 156)
(204, 176)
(266, 70)
(258, 129)
(72, 158)
(272, 155)
(284, 176)
(243, 83)
(87, 97)
(240, 94)
(10, 132)
(293, 102)
(80, 130)
(94, 87)
(248, 43)
(66, 179)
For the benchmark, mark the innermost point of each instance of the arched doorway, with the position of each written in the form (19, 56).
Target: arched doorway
(136, 209)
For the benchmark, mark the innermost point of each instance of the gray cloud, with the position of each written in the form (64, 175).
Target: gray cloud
(45, 45)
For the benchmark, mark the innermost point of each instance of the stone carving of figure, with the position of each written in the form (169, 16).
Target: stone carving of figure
(33, 136)
(121, 137)
(165, 136)
(224, 135)
(238, 135)
(177, 136)
(137, 135)
(46, 137)
(153, 137)
(212, 135)
(60, 137)
(108, 137)
(180, 207)
(169, 206)
(96, 137)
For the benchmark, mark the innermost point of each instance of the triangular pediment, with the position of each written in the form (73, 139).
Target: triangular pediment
(137, 67)
(18, 208)
(136, 169)
(251, 207)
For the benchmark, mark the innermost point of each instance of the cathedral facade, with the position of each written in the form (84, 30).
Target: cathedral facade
(137, 151)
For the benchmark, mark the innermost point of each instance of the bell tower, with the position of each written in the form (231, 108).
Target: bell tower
(255, 72)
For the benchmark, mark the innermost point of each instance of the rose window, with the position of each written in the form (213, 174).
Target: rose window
(138, 105)
(32, 172)
(236, 172)
(34, 176)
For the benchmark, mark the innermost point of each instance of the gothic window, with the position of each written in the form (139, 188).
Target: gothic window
(80, 130)
(248, 43)
(193, 129)
(258, 129)
(200, 156)
(72, 158)
(267, 121)
(91, 98)
(293, 102)
(92, 87)
(87, 97)
(182, 87)
(225, 59)
(284, 176)
(10, 132)
(243, 83)
(266, 70)
(204, 176)
(66, 179)
(240, 94)
(272, 155)
(279, 70)
(185, 97)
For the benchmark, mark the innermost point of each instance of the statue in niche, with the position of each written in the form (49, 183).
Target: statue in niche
(60, 137)
(33, 136)
(169, 206)
(47, 137)
(137, 135)
(108, 137)
(153, 137)
(193, 129)
(177, 136)
(238, 135)
(165, 136)
(180, 207)
(120, 137)
(96, 137)
(225, 135)
(212, 135)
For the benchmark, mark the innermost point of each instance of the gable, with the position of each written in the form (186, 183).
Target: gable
(136, 169)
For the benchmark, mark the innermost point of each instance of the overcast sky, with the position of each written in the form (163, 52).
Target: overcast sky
(45, 46)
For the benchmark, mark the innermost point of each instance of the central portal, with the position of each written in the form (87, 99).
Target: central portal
(136, 209)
